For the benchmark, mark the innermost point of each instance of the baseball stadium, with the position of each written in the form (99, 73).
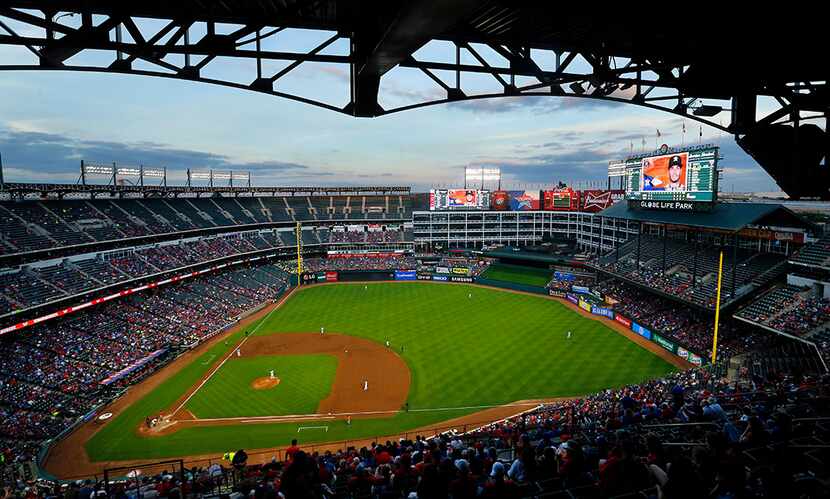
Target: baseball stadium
(172, 332)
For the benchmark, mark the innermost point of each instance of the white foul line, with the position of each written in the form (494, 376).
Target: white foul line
(319, 416)
(238, 346)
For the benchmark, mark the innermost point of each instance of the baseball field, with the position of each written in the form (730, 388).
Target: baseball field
(393, 357)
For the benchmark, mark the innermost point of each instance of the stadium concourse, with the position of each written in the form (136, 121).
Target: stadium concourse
(163, 276)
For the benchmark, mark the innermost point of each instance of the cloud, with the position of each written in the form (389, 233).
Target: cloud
(586, 161)
(537, 104)
(31, 155)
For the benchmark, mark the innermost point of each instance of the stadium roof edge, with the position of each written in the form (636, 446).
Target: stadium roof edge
(730, 217)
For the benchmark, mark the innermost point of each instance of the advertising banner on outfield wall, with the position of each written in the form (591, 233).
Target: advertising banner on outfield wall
(580, 289)
(442, 270)
(557, 293)
(572, 298)
(424, 277)
(682, 353)
(695, 359)
(645, 333)
(405, 275)
(456, 278)
(605, 312)
(584, 305)
(331, 276)
(461, 270)
(663, 342)
(622, 320)
(440, 278)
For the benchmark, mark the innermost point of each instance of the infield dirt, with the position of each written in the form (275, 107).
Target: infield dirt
(265, 383)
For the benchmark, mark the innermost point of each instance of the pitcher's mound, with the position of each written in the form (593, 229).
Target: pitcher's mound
(265, 383)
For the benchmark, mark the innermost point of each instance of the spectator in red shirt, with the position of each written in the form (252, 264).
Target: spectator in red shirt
(289, 452)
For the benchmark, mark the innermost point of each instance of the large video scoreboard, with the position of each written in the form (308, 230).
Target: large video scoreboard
(673, 180)
(459, 199)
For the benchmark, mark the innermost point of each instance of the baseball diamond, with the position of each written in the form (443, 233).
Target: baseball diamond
(501, 340)
(327, 249)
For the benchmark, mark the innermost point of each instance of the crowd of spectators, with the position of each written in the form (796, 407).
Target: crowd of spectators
(33, 225)
(22, 289)
(686, 326)
(789, 309)
(687, 435)
(356, 262)
(384, 236)
(803, 316)
(683, 270)
(53, 373)
(348, 236)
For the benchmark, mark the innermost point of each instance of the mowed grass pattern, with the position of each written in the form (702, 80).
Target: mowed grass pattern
(519, 274)
(304, 381)
(492, 348)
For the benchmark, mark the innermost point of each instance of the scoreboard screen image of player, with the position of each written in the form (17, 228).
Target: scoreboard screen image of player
(689, 176)
(459, 199)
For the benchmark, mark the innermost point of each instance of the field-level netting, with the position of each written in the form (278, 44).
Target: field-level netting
(519, 274)
(466, 347)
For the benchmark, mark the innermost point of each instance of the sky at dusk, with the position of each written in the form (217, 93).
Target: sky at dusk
(49, 121)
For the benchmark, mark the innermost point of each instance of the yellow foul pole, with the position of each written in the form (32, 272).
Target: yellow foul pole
(717, 310)
(298, 233)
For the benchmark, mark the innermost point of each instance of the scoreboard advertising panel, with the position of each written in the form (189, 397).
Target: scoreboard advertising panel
(500, 201)
(459, 199)
(524, 200)
(672, 180)
(561, 200)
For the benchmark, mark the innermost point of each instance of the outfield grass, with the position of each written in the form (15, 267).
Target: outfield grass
(516, 273)
(304, 381)
(492, 348)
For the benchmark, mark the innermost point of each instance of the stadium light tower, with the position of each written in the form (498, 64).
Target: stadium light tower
(481, 174)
